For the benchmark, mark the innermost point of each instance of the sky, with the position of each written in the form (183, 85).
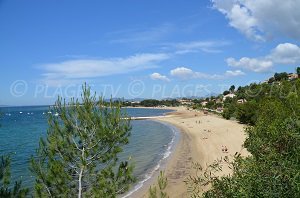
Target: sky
(142, 49)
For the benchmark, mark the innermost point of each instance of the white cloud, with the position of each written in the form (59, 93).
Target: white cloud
(186, 73)
(230, 73)
(195, 46)
(285, 53)
(257, 19)
(157, 76)
(252, 64)
(182, 72)
(91, 68)
(209, 46)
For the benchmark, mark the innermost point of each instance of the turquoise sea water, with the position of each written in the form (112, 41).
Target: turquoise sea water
(22, 127)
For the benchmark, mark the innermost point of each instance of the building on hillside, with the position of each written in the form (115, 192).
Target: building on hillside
(204, 103)
(135, 102)
(185, 101)
(231, 95)
(265, 81)
(292, 76)
(219, 101)
(241, 101)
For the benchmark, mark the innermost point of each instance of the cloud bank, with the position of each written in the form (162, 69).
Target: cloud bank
(184, 73)
(76, 70)
(285, 54)
(258, 19)
(54, 73)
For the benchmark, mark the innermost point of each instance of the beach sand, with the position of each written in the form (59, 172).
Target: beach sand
(201, 140)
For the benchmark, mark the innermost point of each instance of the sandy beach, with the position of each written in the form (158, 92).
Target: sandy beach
(201, 140)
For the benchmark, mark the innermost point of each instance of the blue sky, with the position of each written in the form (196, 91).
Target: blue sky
(142, 49)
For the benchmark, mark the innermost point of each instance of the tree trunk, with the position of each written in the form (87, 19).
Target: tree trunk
(79, 183)
(80, 176)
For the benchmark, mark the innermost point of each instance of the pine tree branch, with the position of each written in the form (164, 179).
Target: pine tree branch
(76, 144)
(65, 162)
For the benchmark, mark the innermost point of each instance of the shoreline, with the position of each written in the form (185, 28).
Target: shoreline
(201, 140)
(141, 187)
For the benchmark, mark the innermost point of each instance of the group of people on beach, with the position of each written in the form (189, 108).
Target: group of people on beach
(224, 149)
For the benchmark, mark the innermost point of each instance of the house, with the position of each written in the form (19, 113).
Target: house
(241, 101)
(204, 103)
(292, 76)
(265, 81)
(231, 95)
(185, 102)
(135, 102)
(219, 101)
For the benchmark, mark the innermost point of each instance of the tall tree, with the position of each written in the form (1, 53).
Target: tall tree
(246, 113)
(232, 88)
(280, 76)
(226, 92)
(79, 156)
(298, 71)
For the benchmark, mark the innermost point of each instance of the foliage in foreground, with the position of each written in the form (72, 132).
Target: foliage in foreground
(79, 156)
(162, 184)
(273, 169)
(5, 190)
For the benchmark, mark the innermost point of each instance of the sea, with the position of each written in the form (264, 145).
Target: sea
(150, 143)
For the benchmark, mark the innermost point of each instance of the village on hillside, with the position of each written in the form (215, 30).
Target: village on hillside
(217, 104)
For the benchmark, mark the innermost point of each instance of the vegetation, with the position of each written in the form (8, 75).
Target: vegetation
(79, 156)
(150, 103)
(155, 103)
(298, 71)
(6, 190)
(226, 92)
(273, 169)
(280, 76)
(232, 88)
(254, 94)
(246, 113)
(162, 184)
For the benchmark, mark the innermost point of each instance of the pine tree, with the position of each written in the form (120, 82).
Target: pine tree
(232, 88)
(6, 189)
(162, 183)
(298, 71)
(79, 157)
